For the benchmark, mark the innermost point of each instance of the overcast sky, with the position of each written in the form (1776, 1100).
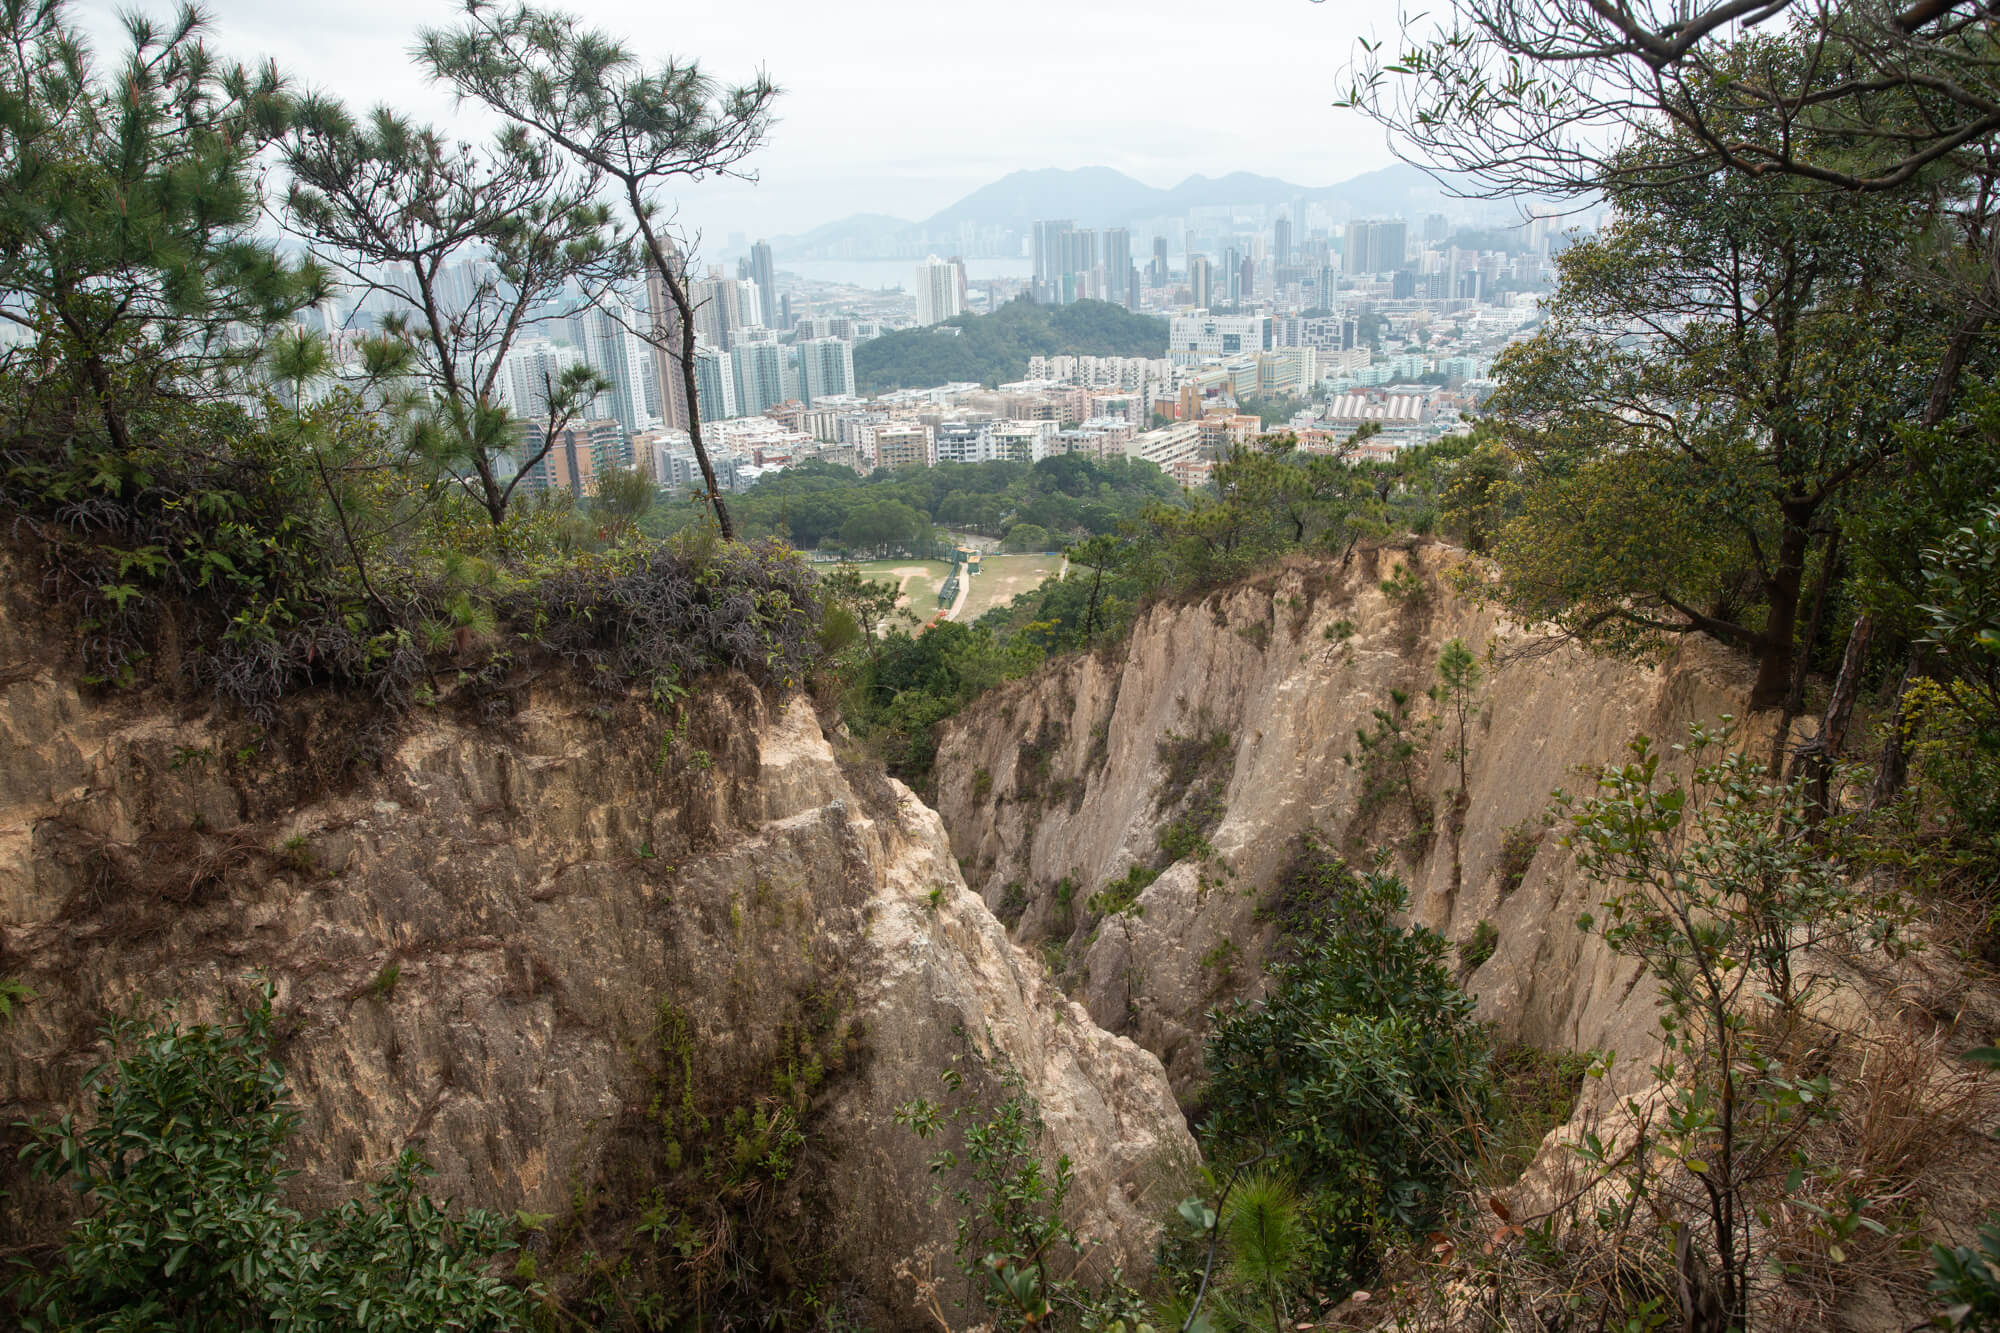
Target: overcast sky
(903, 106)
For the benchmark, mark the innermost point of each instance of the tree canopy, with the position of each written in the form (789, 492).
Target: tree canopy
(994, 349)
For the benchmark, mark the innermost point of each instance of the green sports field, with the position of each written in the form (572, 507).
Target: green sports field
(1002, 578)
(917, 580)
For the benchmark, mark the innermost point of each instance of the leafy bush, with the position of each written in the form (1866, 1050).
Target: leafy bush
(1361, 1072)
(1476, 950)
(678, 610)
(1120, 896)
(1018, 1254)
(1721, 887)
(180, 1164)
(1966, 1278)
(209, 530)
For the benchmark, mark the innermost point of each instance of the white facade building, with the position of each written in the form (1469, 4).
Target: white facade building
(532, 366)
(760, 376)
(612, 350)
(963, 442)
(1022, 441)
(826, 369)
(1200, 336)
(940, 289)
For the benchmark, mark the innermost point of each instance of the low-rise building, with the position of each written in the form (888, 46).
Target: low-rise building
(1349, 410)
(902, 444)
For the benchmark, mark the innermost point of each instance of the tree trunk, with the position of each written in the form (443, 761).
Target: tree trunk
(677, 293)
(1795, 702)
(1894, 764)
(114, 421)
(1815, 761)
(490, 493)
(1782, 589)
(1795, 698)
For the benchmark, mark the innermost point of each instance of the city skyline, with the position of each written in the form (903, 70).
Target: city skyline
(991, 98)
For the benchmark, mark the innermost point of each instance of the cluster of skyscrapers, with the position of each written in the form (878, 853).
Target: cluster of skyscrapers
(1373, 320)
(1080, 263)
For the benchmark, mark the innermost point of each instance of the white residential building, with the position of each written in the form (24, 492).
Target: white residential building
(724, 308)
(1022, 441)
(826, 368)
(940, 289)
(533, 365)
(964, 442)
(715, 382)
(615, 352)
(760, 375)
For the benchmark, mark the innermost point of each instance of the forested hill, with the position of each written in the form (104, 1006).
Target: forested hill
(993, 349)
(1057, 500)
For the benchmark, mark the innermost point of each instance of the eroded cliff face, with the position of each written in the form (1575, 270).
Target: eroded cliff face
(1260, 690)
(483, 940)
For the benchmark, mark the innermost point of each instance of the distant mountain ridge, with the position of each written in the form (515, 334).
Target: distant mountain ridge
(1103, 197)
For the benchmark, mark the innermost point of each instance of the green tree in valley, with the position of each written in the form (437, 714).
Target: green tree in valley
(1027, 537)
(1096, 554)
(1458, 676)
(1361, 1074)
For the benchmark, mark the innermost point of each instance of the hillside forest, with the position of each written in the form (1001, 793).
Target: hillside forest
(994, 349)
(1035, 506)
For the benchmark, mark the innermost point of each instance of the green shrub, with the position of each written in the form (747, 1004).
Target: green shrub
(1187, 835)
(1406, 589)
(1013, 902)
(13, 994)
(1720, 885)
(1188, 759)
(1518, 845)
(1390, 756)
(384, 984)
(181, 1160)
(1475, 951)
(1018, 1253)
(1533, 1092)
(1966, 1279)
(1363, 1071)
(1120, 896)
(1065, 900)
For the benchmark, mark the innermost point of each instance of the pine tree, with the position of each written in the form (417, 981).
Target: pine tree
(643, 127)
(396, 205)
(127, 209)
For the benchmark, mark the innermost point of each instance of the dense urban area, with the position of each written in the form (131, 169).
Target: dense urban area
(1244, 319)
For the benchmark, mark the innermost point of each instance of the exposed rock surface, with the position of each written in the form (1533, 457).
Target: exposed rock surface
(1237, 713)
(474, 941)
(1062, 775)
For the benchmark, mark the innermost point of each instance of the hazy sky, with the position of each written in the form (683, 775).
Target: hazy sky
(902, 106)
